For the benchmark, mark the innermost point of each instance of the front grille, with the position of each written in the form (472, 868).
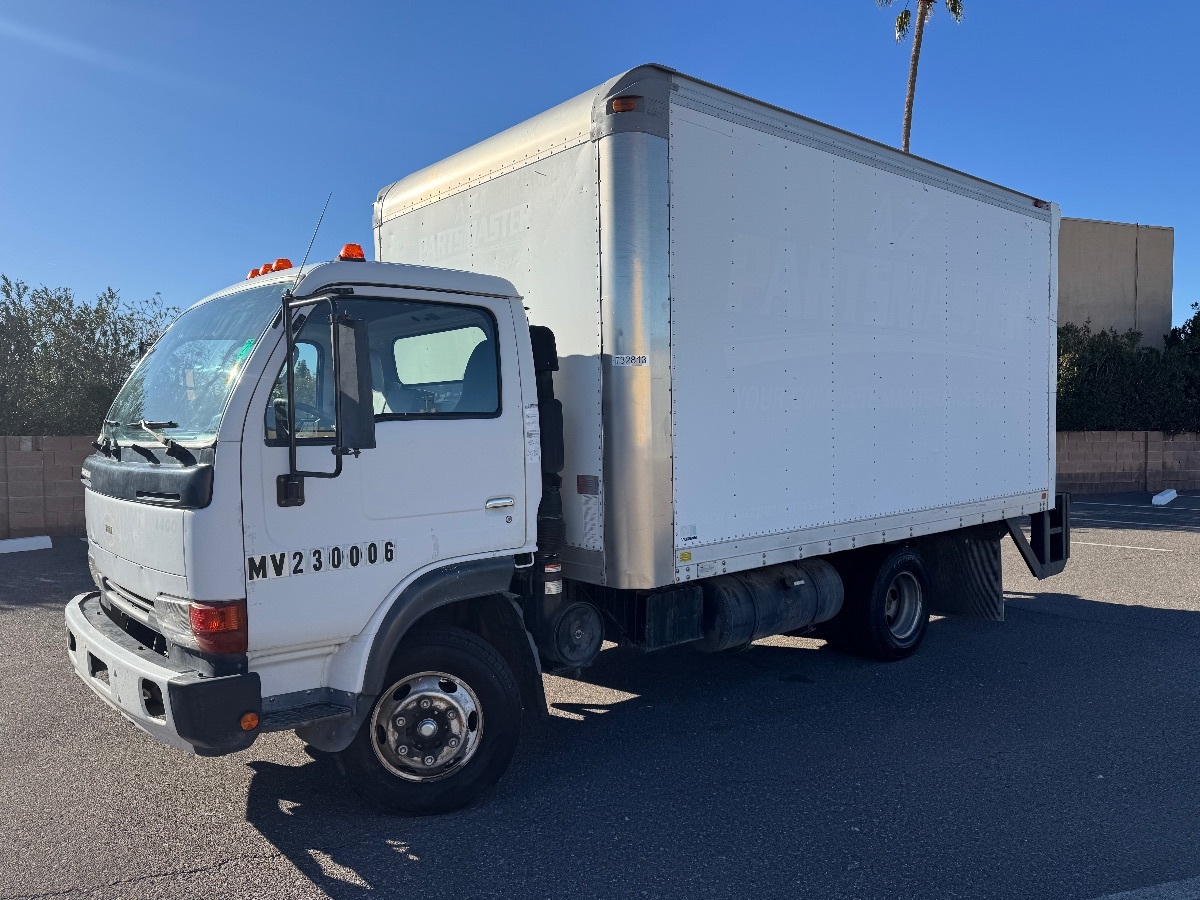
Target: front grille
(133, 613)
(127, 601)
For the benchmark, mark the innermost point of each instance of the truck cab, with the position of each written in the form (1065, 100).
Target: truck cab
(272, 511)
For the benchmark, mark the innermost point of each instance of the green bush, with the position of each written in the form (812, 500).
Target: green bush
(1107, 382)
(62, 360)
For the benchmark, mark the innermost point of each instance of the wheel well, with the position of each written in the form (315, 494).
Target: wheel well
(497, 619)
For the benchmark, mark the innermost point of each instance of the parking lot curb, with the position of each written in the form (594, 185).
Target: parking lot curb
(19, 545)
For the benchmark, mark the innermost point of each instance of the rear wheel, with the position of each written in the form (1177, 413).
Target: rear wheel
(886, 610)
(444, 728)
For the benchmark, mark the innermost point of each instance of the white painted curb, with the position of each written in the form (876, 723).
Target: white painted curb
(16, 545)
(1165, 497)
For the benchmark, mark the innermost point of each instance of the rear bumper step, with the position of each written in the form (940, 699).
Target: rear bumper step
(1049, 545)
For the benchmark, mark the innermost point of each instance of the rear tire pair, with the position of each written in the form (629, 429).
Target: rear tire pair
(886, 609)
(444, 728)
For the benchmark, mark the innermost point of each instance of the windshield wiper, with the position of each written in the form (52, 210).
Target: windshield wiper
(109, 446)
(174, 450)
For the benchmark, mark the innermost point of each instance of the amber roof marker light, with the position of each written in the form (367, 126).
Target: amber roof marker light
(352, 252)
(625, 104)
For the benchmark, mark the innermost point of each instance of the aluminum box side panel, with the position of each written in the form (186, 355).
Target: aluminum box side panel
(575, 121)
(758, 116)
(537, 226)
(557, 129)
(851, 341)
(636, 304)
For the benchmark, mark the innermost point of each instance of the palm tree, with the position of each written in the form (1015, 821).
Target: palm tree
(903, 21)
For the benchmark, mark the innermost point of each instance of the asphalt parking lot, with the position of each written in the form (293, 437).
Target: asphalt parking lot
(1054, 755)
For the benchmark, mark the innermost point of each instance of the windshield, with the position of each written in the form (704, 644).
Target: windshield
(181, 386)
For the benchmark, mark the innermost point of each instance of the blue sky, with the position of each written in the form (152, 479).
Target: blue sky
(170, 147)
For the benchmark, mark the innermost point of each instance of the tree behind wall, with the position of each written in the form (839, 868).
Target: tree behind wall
(63, 360)
(1108, 382)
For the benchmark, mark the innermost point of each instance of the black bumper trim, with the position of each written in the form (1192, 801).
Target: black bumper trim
(207, 712)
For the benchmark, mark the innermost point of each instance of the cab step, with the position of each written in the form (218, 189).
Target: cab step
(295, 716)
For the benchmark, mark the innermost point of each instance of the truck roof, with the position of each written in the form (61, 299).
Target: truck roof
(583, 118)
(314, 277)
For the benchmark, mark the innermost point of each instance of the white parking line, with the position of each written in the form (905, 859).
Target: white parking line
(1127, 505)
(1171, 890)
(1149, 526)
(1122, 547)
(1146, 506)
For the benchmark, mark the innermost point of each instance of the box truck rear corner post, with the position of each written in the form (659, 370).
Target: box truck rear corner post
(662, 366)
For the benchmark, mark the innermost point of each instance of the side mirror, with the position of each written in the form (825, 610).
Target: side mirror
(355, 407)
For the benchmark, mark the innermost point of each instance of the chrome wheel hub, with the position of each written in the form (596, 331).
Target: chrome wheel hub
(903, 606)
(426, 726)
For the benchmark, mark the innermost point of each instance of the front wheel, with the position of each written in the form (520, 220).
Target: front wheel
(443, 730)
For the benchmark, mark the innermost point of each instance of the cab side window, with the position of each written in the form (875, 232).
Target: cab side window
(428, 360)
(313, 393)
(448, 371)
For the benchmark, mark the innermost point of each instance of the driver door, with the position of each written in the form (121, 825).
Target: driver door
(445, 482)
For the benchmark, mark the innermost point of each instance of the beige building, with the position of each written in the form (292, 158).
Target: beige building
(1118, 275)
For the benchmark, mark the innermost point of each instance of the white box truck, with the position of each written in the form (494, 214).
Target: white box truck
(663, 365)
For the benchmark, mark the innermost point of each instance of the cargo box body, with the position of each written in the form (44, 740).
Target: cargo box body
(777, 339)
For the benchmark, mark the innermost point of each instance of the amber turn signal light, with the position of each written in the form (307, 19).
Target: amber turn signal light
(218, 627)
(352, 251)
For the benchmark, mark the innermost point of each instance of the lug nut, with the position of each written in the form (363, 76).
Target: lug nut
(400, 721)
(450, 714)
(453, 742)
(403, 751)
(429, 760)
(424, 704)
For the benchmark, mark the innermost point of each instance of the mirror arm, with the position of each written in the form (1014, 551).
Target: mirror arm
(291, 381)
(290, 487)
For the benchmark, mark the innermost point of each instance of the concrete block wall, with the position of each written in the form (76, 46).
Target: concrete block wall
(1181, 462)
(40, 492)
(1102, 462)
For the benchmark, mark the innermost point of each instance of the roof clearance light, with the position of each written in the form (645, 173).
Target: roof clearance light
(253, 274)
(352, 251)
(265, 269)
(625, 104)
(280, 264)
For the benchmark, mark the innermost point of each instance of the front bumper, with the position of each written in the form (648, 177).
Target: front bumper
(176, 706)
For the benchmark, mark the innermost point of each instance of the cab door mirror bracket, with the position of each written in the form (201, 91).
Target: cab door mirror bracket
(354, 411)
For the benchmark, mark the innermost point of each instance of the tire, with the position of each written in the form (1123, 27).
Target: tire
(886, 610)
(459, 714)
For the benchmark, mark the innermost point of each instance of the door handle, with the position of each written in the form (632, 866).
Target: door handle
(500, 503)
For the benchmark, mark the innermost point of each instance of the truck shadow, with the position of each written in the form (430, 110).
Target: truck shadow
(1052, 756)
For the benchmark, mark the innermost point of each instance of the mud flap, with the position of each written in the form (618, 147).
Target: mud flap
(965, 574)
